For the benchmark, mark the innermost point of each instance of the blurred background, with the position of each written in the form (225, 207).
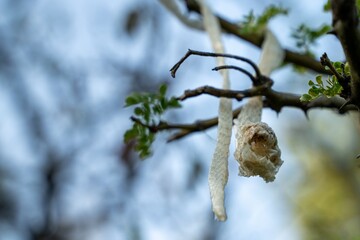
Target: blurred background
(65, 173)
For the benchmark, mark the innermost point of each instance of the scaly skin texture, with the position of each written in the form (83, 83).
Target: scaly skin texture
(218, 174)
(257, 151)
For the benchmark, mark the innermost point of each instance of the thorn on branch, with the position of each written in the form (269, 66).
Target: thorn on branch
(306, 114)
(332, 32)
(341, 109)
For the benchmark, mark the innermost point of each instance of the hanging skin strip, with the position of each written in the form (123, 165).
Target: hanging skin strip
(218, 174)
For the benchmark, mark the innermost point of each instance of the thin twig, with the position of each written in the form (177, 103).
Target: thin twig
(343, 80)
(162, 125)
(209, 54)
(253, 79)
(325, 61)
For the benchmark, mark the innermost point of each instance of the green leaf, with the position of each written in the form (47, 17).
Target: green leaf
(305, 98)
(157, 109)
(138, 111)
(327, 6)
(132, 100)
(174, 103)
(147, 112)
(319, 80)
(145, 153)
(164, 103)
(271, 12)
(306, 36)
(150, 107)
(331, 81)
(163, 89)
(347, 68)
(130, 134)
(151, 138)
(314, 92)
(337, 89)
(337, 65)
(332, 86)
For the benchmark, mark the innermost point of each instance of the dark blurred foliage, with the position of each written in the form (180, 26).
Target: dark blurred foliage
(49, 90)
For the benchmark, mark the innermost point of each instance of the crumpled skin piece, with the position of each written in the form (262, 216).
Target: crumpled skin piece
(257, 150)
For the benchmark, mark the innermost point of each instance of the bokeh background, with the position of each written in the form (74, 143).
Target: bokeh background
(65, 173)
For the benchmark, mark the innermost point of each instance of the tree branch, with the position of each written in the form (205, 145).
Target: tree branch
(217, 92)
(272, 99)
(346, 26)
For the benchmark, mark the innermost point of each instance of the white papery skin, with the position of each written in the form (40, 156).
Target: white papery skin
(257, 150)
(218, 174)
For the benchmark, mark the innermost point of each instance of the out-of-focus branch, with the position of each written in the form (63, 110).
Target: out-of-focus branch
(172, 6)
(199, 125)
(184, 129)
(299, 59)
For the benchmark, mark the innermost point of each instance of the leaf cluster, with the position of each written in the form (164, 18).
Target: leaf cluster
(256, 24)
(318, 89)
(306, 36)
(333, 87)
(148, 111)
